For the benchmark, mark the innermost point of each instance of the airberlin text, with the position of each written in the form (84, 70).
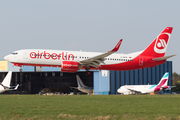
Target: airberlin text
(54, 56)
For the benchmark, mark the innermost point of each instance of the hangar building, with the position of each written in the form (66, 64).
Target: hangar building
(33, 80)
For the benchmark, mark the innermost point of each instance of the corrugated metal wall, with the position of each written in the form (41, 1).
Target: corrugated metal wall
(140, 77)
(101, 82)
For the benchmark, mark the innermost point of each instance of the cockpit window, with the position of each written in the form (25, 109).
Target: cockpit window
(14, 53)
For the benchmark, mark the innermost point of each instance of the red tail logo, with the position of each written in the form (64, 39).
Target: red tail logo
(161, 43)
(163, 82)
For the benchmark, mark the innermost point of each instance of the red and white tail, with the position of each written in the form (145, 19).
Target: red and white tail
(158, 47)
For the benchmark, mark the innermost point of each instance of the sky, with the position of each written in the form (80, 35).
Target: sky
(88, 25)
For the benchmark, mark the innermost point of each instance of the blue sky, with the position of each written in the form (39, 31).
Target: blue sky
(88, 25)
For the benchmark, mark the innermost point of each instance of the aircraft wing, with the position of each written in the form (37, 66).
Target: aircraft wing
(73, 87)
(136, 90)
(16, 87)
(97, 60)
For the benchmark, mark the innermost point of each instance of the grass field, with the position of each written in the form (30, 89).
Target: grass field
(90, 107)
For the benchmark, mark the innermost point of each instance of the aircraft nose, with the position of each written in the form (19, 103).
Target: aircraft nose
(6, 57)
(119, 90)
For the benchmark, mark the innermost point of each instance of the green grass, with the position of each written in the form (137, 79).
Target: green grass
(90, 107)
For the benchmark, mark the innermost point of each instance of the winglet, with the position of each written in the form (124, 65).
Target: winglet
(117, 46)
(16, 87)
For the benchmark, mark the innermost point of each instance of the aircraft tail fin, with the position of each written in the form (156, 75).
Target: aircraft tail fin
(164, 80)
(158, 47)
(79, 82)
(7, 80)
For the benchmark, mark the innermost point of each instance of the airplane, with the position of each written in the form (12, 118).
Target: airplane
(5, 85)
(81, 87)
(131, 89)
(71, 61)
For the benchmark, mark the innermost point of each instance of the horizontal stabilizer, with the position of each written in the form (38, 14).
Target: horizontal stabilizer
(14, 88)
(162, 58)
(170, 87)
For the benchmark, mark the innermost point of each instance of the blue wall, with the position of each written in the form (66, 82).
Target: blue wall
(101, 82)
(32, 68)
(28, 68)
(140, 77)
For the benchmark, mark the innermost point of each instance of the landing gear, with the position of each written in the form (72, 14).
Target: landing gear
(87, 71)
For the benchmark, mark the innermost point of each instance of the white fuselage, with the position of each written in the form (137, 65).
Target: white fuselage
(144, 88)
(2, 89)
(162, 85)
(55, 57)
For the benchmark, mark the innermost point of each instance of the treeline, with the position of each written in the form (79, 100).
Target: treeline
(176, 81)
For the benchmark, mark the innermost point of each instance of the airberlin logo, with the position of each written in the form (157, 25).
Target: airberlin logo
(54, 56)
(69, 65)
(161, 43)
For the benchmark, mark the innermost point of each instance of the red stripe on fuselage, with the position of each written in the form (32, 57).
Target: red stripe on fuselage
(129, 65)
(42, 65)
(133, 64)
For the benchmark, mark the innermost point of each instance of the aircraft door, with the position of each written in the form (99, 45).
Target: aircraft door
(25, 55)
(140, 61)
(10, 57)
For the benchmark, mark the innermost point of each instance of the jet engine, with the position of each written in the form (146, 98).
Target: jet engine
(69, 66)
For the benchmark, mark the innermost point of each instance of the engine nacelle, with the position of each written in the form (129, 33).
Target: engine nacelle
(69, 66)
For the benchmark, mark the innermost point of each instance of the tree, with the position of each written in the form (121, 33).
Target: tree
(176, 81)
